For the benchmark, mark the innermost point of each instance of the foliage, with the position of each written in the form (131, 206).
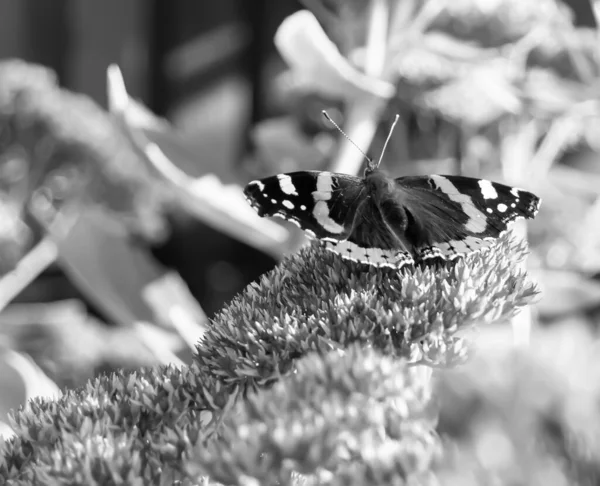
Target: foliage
(64, 148)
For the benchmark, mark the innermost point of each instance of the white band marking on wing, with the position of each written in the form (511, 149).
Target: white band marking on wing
(477, 221)
(321, 209)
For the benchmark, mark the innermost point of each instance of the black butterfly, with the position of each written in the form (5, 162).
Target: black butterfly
(382, 221)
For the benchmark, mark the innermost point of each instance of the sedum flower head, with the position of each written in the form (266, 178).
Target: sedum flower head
(317, 301)
(344, 418)
(310, 375)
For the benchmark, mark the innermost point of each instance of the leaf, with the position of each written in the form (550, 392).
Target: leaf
(222, 206)
(481, 96)
(318, 65)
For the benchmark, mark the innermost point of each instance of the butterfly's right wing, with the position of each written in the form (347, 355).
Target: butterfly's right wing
(321, 203)
(451, 216)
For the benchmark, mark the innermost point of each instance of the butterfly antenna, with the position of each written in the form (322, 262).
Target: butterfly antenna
(387, 139)
(326, 115)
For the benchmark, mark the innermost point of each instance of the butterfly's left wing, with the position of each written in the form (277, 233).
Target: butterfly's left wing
(321, 203)
(450, 216)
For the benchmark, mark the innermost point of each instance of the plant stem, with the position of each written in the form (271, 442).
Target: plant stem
(40, 257)
(377, 38)
(364, 114)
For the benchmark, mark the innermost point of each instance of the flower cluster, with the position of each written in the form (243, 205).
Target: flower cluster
(312, 371)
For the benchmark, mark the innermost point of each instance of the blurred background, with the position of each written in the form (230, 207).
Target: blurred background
(129, 127)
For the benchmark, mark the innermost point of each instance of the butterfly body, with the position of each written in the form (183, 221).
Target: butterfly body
(382, 221)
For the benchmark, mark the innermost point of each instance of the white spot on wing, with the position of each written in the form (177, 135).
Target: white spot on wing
(502, 207)
(286, 185)
(303, 207)
(321, 209)
(477, 220)
(274, 201)
(287, 204)
(370, 256)
(451, 250)
(487, 190)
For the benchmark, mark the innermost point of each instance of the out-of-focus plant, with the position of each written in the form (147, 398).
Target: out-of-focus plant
(437, 58)
(72, 152)
(524, 417)
(60, 154)
(207, 198)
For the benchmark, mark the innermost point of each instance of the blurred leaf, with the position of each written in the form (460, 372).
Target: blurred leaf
(318, 65)
(20, 78)
(37, 384)
(121, 278)
(344, 21)
(71, 346)
(20, 380)
(27, 269)
(498, 22)
(516, 416)
(547, 95)
(438, 58)
(74, 151)
(223, 207)
(569, 53)
(565, 293)
(483, 95)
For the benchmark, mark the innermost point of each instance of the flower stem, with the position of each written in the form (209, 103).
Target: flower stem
(377, 37)
(364, 113)
(40, 257)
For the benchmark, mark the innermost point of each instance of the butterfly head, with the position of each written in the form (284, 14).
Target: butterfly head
(373, 166)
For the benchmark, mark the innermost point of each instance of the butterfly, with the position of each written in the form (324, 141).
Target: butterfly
(381, 221)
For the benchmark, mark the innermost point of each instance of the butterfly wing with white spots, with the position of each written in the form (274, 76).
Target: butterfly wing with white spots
(450, 216)
(321, 203)
(393, 222)
(335, 208)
